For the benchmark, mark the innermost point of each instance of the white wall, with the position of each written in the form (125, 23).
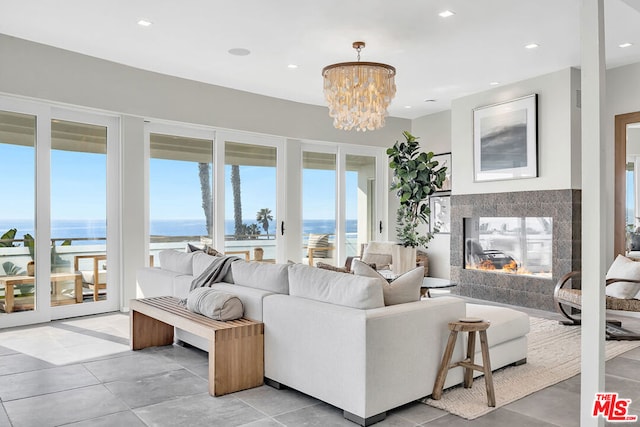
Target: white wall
(434, 131)
(555, 170)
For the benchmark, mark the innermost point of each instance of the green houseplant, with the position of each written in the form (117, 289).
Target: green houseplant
(416, 176)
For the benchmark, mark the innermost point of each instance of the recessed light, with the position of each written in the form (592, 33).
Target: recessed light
(532, 46)
(430, 100)
(292, 66)
(239, 51)
(407, 106)
(625, 45)
(144, 23)
(494, 83)
(446, 14)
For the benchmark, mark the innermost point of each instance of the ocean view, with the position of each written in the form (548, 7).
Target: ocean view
(186, 227)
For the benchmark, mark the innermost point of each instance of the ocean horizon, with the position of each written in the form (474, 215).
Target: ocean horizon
(83, 229)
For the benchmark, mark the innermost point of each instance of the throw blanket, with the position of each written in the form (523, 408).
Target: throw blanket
(214, 273)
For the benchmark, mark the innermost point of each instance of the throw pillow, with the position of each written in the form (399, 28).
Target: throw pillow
(215, 304)
(405, 288)
(207, 250)
(319, 241)
(623, 268)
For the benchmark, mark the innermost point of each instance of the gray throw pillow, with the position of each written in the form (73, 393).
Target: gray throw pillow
(215, 304)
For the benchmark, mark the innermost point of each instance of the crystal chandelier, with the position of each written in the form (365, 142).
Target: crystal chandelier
(358, 93)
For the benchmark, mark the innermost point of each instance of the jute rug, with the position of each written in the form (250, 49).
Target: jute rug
(553, 355)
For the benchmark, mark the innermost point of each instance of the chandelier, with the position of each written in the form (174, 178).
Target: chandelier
(358, 93)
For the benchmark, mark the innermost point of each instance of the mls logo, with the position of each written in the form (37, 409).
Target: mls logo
(612, 409)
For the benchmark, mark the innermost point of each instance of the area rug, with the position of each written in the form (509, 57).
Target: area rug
(553, 355)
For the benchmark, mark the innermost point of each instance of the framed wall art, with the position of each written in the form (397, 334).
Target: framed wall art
(444, 159)
(440, 215)
(505, 140)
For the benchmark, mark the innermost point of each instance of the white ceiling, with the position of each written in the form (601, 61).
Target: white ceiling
(436, 58)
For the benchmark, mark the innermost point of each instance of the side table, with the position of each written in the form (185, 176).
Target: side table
(468, 364)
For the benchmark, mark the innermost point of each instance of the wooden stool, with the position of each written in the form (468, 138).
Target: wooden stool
(467, 363)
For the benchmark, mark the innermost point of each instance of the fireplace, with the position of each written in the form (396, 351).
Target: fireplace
(532, 238)
(509, 245)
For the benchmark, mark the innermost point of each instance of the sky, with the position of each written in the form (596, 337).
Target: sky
(78, 188)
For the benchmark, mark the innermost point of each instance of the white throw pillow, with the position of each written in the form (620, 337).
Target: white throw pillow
(405, 288)
(623, 268)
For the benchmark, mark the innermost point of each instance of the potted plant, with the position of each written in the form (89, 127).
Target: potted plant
(416, 176)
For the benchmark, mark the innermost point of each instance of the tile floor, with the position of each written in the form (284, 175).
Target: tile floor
(80, 372)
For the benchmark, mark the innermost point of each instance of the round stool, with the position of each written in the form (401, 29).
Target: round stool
(468, 364)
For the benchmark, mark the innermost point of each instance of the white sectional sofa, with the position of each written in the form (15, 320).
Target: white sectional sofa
(329, 335)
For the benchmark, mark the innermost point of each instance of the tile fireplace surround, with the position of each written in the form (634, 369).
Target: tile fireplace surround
(563, 206)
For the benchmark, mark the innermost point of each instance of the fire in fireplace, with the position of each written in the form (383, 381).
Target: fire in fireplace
(511, 245)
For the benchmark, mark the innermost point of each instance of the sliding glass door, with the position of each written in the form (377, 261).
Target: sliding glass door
(54, 219)
(18, 216)
(319, 207)
(343, 203)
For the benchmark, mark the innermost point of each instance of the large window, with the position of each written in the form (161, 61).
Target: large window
(180, 192)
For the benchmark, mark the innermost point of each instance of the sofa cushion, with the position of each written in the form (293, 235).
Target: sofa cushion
(172, 260)
(336, 288)
(269, 277)
(623, 268)
(404, 288)
(506, 323)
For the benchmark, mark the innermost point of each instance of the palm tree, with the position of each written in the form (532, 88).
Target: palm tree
(237, 202)
(253, 230)
(263, 217)
(205, 188)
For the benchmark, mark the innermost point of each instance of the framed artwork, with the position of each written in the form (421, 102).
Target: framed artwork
(440, 215)
(444, 159)
(505, 140)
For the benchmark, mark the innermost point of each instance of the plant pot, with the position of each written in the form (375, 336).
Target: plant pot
(403, 259)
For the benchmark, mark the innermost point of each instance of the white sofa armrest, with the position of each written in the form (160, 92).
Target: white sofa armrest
(154, 282)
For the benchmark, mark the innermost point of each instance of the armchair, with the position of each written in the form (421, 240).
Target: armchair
(94, 279)
(622, 288)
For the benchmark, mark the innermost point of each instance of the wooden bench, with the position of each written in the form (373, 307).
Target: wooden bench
(236, 347)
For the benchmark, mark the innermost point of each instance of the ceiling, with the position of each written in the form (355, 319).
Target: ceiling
(436, 58)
